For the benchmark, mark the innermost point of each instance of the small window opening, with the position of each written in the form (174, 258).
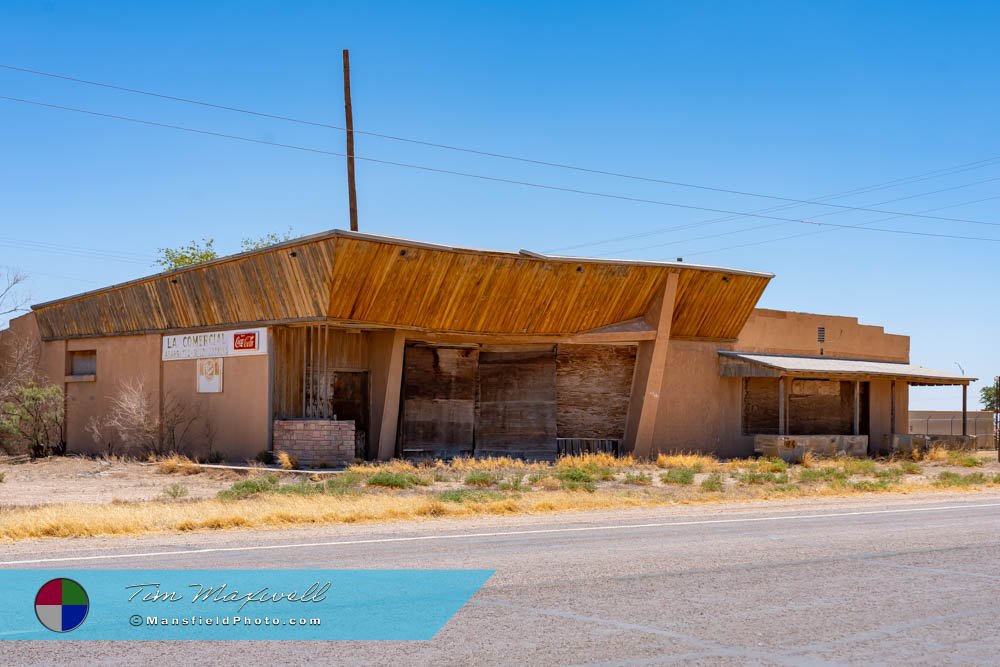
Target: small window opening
(83, 362)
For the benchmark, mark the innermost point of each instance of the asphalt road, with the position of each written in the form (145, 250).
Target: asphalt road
(861, 581)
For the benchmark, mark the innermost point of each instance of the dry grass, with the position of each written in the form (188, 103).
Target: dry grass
(287, 461)
(936, 454)
(177, 464)
(697, 462)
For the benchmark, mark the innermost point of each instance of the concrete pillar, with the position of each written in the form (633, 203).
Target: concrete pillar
(650, 373)
(386, 376)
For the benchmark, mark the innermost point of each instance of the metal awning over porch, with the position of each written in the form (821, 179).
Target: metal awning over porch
(745, 364)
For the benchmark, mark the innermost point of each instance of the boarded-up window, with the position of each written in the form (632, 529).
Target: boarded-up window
(439, 399)
(760, 406)
(593, 386)
(821, 407)
(83, 362)
(516, 403)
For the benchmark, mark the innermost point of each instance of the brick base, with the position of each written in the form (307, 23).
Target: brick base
(314, 441)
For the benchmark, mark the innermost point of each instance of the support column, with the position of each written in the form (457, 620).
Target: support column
(651, 366)
(782, 416)
(386, 376)
(857, 407)
(965, 409)
(892, 409)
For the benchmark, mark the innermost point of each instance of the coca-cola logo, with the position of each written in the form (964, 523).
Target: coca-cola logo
(245, 341)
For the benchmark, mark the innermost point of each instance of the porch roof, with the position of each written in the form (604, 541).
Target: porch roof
(745, 364)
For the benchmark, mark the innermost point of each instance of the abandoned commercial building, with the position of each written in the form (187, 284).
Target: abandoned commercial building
(344, 345)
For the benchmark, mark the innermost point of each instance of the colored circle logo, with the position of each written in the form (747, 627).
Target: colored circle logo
(61, 605)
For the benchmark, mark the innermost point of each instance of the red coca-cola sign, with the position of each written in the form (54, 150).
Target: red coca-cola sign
(245, 341)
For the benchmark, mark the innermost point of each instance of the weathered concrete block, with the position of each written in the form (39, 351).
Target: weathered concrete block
(792, 448)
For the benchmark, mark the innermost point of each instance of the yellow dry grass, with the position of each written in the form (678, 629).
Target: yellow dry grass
(936, 454)
(287, 461)
(598, 460)
(706, 462)
(177, 464)
(79, 520)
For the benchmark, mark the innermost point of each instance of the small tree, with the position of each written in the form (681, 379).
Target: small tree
(988, 397)
(133, 417)
(179, 417)
(270, 238)
(187, 255)
(32, 419)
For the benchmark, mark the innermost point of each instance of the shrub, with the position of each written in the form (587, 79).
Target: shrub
(752, 477)
(910, 468)
(469, 496)
(481, 478)
(858, 466)
(175, 491)
(547, 482)
(892, 474)
(396, 480)
(512, 483)
(215, 458)
(936, 453)
(964, 460)
(250, 487)
(697, 462)
(713, 483)
(953, 479)
(573, 474)
(678, 476)
(573, 485)
(639, 479)
(265, 456)
(826, 474)
(867, 485)
(345, 482)
(32, 419)
(287, 461)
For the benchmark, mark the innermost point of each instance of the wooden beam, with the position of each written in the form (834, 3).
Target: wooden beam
(965, 409)
(857, 407)
(782, 416)
(648, 383)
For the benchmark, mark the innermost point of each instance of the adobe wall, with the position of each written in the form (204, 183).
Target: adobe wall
(786, 332)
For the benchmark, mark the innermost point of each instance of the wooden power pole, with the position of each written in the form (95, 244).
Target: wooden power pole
(352, 191)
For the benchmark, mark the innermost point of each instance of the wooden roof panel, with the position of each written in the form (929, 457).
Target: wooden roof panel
(344, 276)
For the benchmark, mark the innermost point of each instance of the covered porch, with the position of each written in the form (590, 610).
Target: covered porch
(791, 405)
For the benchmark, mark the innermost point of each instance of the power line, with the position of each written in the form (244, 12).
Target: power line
(859, 226)
(496, 179)
(70, 251)
(820, 215)
(545, 163)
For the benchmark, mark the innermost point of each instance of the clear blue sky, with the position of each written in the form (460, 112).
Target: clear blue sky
(793, 99)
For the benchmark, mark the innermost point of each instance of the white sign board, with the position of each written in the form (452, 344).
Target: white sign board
(210, 375)
(234, 343)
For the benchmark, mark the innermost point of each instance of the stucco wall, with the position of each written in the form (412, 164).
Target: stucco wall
(237, 415)
(786, 332)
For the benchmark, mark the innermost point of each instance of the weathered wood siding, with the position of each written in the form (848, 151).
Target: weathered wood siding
(320, 371)
(516, 403)
(358, 278)
(439, 401)
(760, 406)
(593, 386)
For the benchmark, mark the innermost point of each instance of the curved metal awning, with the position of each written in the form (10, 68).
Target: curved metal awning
(747, 364)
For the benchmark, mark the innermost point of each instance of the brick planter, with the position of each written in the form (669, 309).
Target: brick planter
(314, 441)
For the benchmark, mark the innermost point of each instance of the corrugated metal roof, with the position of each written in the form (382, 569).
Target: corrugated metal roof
(831, 366)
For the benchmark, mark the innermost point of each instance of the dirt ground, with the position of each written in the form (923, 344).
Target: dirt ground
(72, 479)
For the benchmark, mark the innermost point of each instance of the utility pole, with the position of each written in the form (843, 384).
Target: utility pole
(996, 413)
(352, 191)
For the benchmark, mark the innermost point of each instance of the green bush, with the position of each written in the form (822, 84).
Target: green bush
(345, 482)
(910, 468)
(573, 474)
(32, 419)
(513, 483)
(396, 480)
(821, 474)
(952, 479)
(481, 478)
(469, 496)
(678, 476)
(265, 456)
(250, 487)
(638, 479)
(762, 478)
(858, 466)
(175, 491)
(713, 483)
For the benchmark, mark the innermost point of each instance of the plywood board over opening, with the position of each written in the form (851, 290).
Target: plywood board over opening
(516, 403)
(593, 388)
(439, 399)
